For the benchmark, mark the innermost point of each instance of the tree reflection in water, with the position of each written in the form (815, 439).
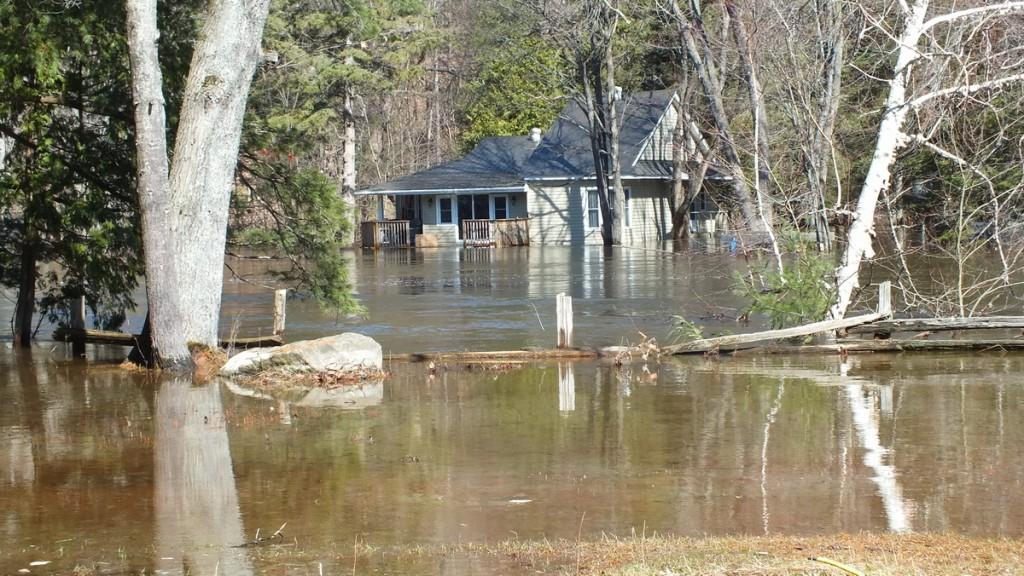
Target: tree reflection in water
(199, 525)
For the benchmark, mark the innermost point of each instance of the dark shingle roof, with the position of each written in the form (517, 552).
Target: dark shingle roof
(494, 163)
(565, 150)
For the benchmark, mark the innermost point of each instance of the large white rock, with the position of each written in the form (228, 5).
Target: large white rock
(348, 352)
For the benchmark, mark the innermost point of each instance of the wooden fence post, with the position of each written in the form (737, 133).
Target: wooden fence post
(78, 327)
(563, 316)
(280, 299)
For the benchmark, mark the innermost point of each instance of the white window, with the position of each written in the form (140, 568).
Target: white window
(627, 198)
(593, 208)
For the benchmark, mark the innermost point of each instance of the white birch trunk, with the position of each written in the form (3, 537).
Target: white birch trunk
(348, 167)
(890, 138)
(348, 157)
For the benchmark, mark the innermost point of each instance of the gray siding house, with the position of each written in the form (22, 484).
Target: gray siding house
(540, 189)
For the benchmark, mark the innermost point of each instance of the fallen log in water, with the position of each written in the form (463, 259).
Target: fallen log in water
(864, 346)
(113, 338)
(739, 341)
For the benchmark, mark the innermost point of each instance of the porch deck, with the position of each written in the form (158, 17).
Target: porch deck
(386, 234)
(508, 232)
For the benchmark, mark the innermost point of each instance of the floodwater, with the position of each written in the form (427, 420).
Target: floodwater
(503, 299)
(105, 469)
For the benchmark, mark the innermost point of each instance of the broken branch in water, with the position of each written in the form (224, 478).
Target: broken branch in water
(257, 541)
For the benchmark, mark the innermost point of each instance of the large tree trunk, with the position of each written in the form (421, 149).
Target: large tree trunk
(25, 305)
(680, 157)
(593, 98)
(617, 200)
(185, 212)
(158, 236)
(205, 156)
(348, 157)
(890, 138)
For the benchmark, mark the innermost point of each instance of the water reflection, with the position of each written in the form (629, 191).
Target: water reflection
(566, 388)
(199, 527)
(354, 397)
(865, 418)
(95, 461)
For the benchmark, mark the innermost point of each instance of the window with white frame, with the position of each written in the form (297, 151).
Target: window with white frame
(445, 213)
(593, 208)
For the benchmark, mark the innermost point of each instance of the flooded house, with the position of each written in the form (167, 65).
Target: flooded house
(541, 189)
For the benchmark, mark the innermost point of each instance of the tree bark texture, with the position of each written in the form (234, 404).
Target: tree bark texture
(185, 209)
(617, 200)
(162, 285)
(833, 49)
(348, 166)
(348, 156)
(593, 98)
(680, 157)
(206, 153)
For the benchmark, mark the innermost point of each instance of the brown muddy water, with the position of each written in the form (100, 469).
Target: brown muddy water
(106, 469)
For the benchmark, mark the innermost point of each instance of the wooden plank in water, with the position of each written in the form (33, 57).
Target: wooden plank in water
(859, 346)
(939, 324)
(736, 341)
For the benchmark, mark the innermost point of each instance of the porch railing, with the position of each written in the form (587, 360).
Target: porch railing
(510, 232)
(386, 234)
(476, 232)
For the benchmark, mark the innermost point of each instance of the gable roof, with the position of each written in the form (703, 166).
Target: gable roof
(495, 163)
(565, 150)
(502, 163)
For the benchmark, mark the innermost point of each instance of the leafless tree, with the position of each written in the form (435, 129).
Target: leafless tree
(934, 64)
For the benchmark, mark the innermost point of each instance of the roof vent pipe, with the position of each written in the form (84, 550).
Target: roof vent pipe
(535, 135)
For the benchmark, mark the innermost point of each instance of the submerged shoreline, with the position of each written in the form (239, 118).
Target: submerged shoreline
(871, 553)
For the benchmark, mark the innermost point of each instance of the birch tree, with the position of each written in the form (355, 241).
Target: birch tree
(184, 205)
(919, 37)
